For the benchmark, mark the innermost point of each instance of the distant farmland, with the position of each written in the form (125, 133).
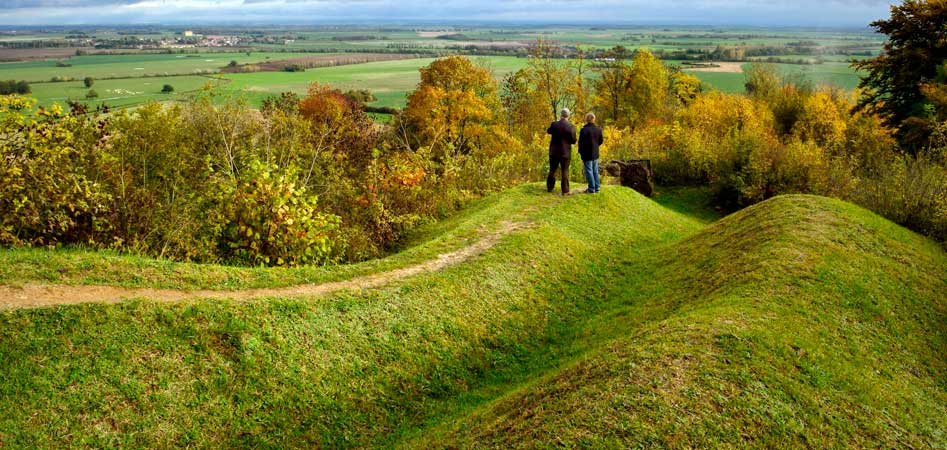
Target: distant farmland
(128, 65)
(316, 60)
(389, 80)
(386, 61)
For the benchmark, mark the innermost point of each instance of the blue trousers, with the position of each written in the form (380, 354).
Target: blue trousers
(591, 175)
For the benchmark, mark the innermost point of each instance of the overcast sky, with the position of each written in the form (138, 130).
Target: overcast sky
(666, 12)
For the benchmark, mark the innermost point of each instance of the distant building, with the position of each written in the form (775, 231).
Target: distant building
(188, 33)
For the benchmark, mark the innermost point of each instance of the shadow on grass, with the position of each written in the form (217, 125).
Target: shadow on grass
(694, 202)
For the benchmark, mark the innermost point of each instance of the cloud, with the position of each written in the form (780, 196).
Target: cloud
(684, 12)
(18, 4)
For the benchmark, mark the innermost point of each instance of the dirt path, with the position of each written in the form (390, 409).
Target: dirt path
(42, 295)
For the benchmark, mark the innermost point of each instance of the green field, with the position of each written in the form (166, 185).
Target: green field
(122, 92)
(831, 74)
(128, 66)
(391, 81)
(607, 321)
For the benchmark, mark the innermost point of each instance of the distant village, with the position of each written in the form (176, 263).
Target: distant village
(125, 40)
(189, 39)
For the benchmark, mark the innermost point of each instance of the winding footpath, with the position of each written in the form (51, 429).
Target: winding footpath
(44, 295)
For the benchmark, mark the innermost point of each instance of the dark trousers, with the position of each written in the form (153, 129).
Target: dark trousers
(558, 162)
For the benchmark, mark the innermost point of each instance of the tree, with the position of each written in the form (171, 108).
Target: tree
(649, 86)
(551, 74)
(286, 103)
(14, 87)
(916, 47)
(88, 81)
(167, 89)
(525, 107)
(92, 94)
(580, 90)
(451, 106)
(685, 87)
(762, 81)
(613, 85)
(338, 126)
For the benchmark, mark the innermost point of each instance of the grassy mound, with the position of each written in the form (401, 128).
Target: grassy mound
(352, 369)
(611, 321)
(800, 322)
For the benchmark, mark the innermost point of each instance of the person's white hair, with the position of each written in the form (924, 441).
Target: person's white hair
(565, 113)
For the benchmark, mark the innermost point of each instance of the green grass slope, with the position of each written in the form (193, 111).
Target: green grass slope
(800, 322)
(351, 370)
(611, 321)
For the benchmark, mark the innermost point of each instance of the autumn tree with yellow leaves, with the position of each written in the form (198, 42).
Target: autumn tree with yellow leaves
(453, 106)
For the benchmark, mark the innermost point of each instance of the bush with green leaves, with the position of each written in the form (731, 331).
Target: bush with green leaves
(14, 87)
(910, 190)
(47, 194)
(271, 220)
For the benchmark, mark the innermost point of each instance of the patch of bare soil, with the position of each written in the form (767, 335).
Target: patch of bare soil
(313, 61)
(722, 67)
(26, 54)
(38, 295)
(435, 34)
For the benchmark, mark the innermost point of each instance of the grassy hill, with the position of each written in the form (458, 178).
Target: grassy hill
(603, 321)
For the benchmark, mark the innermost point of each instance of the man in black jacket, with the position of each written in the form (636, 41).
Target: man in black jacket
(589, 139)
(562, 136)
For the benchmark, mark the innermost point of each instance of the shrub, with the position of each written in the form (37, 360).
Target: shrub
(822, 120)
(167, 89)
(46, 194)
(271, 220)
(382, 110)
(911, 191)
(363, 96)
(91, 94)
(286, 102)
(14, 87)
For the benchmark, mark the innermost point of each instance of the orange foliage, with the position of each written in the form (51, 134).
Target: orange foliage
(452, 106)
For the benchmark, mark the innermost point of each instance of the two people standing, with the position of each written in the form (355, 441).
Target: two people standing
(562, 137)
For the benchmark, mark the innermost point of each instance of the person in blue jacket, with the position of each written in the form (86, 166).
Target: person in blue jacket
(590, 138)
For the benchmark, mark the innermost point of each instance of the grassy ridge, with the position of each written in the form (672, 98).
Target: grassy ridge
(800, 322)
(612, 321)
(348, 370)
